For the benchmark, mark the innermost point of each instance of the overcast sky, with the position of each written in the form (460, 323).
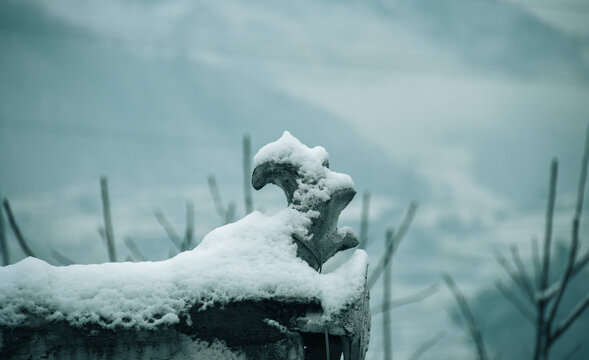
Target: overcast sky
(459, 104)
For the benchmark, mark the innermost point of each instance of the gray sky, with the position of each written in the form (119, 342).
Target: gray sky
(459, 104)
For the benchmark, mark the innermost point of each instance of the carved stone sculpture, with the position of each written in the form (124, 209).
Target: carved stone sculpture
(312, 189)
(250, 290)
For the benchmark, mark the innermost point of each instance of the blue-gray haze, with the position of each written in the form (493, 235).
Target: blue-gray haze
(458, 104)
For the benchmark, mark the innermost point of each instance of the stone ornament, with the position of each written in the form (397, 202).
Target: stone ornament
(312, 189)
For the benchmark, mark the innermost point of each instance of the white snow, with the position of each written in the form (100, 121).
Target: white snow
(317, 182)
(290, 149)
(254, 258)
(217, 350)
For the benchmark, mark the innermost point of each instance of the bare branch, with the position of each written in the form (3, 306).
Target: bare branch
(386, 319)
(542, 326)
(565, 281)
(109, 234)
(522, 273)
(549, 293)
(384, 260)
(134, 249)
(574, 238)
(517, 280)
(548, 230)
(189, 236)
(405, 224)
(428, 344)
(549, 336)
(63, 260)
(572, 254)
(414, 298)
(3, 245)
(214, 189)
(15, 229)
(581, 188)
(519, 305)
(572, 352)
(581, 263)
(247, 174)
(102, 233)
(536, 260)
(363, 235)
(392, 248)
(473, 328)
(168, 229)
(577, 311)
(230, 214)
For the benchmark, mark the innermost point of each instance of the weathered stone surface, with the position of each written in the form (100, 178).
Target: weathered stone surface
(352, 325)
(259, 329)
(267, 329)
(323, 239)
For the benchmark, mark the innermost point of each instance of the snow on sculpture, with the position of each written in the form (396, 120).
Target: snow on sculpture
(251, 288)
(313, 190)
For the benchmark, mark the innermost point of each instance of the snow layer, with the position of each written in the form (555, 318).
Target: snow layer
(254, 258)
(217, 350)
(316, 182)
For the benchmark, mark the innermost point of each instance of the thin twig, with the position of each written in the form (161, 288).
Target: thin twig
(101, 233)
(536, 260)
(230, 214)
(519, 305)
(189, 236)
(405, 223)
(548, 230)
(214, 189)
(392, 248)
(63, 260)
(574, 241)
(522, 273)
(386, 319)
(563, 284)
(572, 256)
(572, 352)
(577, 311)
(384, 260)
(581, 263)
(542, 328)
(411, 299)
(247, 174)
(517, 280)
(110, 240)
(169, 229)
(363, 235)
(428, 344)
(16, 230)
(134, 249)
(581, 188)
(3, 247)
(473, 328)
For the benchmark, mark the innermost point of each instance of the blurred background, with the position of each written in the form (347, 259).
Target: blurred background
(457, 104)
